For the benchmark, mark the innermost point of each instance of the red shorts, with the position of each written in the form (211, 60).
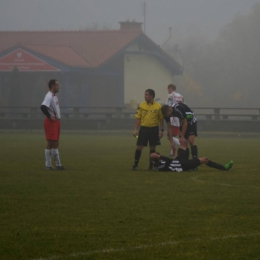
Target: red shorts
(52, 129)
(175, 130)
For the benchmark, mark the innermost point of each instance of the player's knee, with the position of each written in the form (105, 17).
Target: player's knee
(138, 147)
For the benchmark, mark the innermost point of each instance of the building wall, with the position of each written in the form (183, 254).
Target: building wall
(103, 91)
(143, 72)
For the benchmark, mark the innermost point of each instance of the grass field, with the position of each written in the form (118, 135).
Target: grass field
(99, 209)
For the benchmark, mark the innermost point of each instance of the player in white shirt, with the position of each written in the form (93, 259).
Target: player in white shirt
(50, 107)
(172, 99)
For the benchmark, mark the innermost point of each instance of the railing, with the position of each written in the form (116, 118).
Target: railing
(108, 113)
(225, 113)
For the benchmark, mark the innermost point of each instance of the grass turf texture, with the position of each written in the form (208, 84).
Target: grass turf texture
(99, 209)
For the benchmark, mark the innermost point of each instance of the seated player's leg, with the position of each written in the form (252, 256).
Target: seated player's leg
(182, 155)
(190, 164)
(215, 165)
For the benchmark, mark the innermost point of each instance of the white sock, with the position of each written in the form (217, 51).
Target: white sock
(56, 156)
(176, 141)
(48, 158)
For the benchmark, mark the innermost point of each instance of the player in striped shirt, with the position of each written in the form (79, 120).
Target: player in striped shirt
(188, 126)
(181, 163)
(50, 107)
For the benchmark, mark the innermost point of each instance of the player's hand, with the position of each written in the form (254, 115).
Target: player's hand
(183, 142)
(135, 133)
(160, 134)
(53, 118)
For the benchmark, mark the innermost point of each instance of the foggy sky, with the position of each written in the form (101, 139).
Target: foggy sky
(184, 16)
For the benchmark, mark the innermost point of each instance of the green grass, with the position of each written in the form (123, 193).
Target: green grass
(99, 209)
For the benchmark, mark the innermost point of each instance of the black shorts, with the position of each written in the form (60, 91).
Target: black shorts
(191, 130)
(150, 134)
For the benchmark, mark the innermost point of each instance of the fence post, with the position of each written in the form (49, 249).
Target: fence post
(216, 112)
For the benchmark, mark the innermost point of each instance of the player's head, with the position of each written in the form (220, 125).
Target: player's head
(155, 158)
(166, 110)
(149, 95)
(171, 88)
(54, 85)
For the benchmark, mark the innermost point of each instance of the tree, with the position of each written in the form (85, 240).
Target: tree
(227, 69)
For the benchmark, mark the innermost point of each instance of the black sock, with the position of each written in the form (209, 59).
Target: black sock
(194, 151)
(187, 153)
(137, 156)
(151, 162)
(216, 165)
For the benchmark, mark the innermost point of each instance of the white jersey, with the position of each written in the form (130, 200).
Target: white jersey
(51, 101)
(172, 99)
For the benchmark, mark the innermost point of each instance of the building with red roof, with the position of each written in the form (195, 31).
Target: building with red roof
(95, 68)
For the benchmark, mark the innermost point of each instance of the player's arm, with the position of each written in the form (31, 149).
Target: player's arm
(138, 116)
(44, 108)
(183, 132)
(137, 124)
(169, 131)
(161, 124)
(156, 156)
(45, 111)
(169, 100)
(180, 113)
(161, 128)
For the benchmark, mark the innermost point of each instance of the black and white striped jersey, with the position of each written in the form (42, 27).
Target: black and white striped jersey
(182, 111)
(166, 164)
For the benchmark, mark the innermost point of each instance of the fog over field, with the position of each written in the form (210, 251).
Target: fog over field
(184, 16)
(216, 42)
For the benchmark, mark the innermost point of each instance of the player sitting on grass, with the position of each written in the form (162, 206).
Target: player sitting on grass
(181, 163)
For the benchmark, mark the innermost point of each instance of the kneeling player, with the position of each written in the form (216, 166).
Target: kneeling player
(181, 163)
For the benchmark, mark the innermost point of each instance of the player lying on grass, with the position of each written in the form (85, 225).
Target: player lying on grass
(181, 163)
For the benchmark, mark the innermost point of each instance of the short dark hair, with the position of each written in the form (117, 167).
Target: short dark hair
(151, 92)
(165, 109)
(172, 86)
(156, 160)
(52, 82)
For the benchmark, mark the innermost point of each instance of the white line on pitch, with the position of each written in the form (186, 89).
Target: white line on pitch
(111, 250)
(196, 178)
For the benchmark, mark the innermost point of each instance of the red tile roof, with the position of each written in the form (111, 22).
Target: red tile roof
(74, 48)
(63, 54)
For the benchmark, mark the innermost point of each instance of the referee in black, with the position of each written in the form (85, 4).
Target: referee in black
(150, 119)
